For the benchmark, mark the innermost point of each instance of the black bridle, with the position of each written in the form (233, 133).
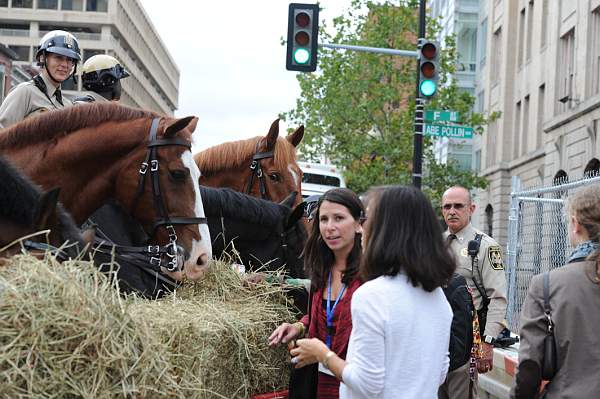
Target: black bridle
(151, 164)
(256, 169)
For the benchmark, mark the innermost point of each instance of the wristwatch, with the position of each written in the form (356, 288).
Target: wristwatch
(488, 339)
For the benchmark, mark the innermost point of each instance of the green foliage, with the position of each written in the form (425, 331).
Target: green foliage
(358, 109)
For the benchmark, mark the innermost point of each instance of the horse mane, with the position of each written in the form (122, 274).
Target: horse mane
(227, 203)
(233, 154)
(55, 124)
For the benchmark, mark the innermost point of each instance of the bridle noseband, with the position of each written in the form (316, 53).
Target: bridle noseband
(255, 169)
(151, 164)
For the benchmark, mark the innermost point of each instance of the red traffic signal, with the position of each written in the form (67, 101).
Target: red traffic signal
(302, 40)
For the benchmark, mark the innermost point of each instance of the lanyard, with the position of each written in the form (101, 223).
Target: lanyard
(331, 311)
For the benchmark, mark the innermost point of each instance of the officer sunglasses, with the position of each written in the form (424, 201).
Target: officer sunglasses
(457, 206)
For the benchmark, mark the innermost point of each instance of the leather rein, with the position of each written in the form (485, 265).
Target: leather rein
(256, 169)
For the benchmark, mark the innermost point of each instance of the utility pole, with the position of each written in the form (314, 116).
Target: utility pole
(418, 136)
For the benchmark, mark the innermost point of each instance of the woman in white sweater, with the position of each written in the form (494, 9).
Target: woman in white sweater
(401, 319)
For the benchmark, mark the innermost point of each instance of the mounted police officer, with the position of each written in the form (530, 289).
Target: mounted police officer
(479, 260)
(58, 55)
(101, 76)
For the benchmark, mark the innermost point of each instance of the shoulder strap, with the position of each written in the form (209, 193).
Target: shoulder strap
(41, 85)
(547, 309)
(473, 252)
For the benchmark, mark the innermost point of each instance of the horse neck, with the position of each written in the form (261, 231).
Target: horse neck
(83, 164)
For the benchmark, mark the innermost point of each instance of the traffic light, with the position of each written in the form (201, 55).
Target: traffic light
(302, 39)
(429, 55)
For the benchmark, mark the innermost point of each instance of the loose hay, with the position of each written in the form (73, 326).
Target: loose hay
(66, 332)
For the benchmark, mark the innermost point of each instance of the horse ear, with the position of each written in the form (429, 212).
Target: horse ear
(289, 200)
(296, 215)
(296, 137)
(272, 135)
(180, 124)
(45, 209)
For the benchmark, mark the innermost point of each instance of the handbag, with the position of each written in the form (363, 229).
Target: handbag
(549, 361)
(303, 381)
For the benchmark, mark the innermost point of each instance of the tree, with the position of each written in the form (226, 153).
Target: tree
(358, 108)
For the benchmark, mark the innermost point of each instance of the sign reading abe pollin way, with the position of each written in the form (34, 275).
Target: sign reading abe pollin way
(457, 132)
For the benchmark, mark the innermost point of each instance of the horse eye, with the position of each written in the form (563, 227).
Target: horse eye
(275, 177)
(178, 174)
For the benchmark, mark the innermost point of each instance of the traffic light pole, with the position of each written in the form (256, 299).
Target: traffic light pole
(418, 137)
(378, 50)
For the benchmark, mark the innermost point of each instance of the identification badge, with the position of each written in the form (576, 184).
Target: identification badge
(464, 252)
(325, 370)
(495, 258)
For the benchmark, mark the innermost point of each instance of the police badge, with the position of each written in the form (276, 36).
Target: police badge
(495, 257)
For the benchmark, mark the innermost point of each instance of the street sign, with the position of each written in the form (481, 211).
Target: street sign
(457, 132)
(434, 115)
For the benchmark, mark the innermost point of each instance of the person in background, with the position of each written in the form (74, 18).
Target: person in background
(101, 76)
(58, 55)
(483, 269)
(401, 318)
(574, 298)
(332, 255)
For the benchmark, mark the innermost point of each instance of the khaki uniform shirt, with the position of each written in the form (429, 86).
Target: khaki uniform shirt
(489, 274)
(27, 100)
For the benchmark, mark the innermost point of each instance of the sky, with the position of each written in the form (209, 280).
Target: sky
(231, 63)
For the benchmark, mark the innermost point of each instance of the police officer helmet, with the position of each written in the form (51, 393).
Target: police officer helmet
(59, 42)
(101, 72)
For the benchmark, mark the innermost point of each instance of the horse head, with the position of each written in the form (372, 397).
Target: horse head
(264, 166)
(164, 197)
(26, 211)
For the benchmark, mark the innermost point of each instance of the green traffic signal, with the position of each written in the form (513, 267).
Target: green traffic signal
(428, 88)
(301, 56)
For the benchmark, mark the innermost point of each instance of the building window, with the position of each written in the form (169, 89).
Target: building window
(489, 220)
(540, 115)
(525, 128)
(566, 70)
(544, 24)
(521, 36)
(482, 41)
(480, 106)
(22, 52)
(517, 130)
(22, 3)
(74, 5)
(97, 5)
(529, 30)
(592, 169)
(477, 161)
(3, 3)
(594, 51)
(48, 4)
(496, 56)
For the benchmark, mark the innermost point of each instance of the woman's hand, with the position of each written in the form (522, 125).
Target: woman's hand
(308, 351)
(283, 334)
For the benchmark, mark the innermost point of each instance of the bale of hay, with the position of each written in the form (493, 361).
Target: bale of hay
(65, 331)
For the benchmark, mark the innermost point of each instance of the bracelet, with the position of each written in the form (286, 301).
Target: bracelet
(328, 356)
(300, 327)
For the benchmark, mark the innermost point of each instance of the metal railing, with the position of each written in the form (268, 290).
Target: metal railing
(537, 237)
(14, 32)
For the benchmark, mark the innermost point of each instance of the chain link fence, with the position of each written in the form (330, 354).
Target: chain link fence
(537, 237)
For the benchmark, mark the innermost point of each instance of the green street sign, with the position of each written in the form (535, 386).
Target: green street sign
(457, 132)
(434, 115)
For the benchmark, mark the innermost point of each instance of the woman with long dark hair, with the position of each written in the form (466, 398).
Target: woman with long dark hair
(332, 255)
(401, 318)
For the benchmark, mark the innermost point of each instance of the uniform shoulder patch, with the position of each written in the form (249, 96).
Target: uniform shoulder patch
(494, 254)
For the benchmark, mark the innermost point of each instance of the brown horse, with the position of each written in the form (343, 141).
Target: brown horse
(94, 152)
(264, 167)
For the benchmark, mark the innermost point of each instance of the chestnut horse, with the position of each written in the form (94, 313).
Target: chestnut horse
(25, 209)
(264, 167)
(104, 151)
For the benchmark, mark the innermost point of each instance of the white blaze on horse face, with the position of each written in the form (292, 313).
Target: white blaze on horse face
(203, 247)
(294, 175)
